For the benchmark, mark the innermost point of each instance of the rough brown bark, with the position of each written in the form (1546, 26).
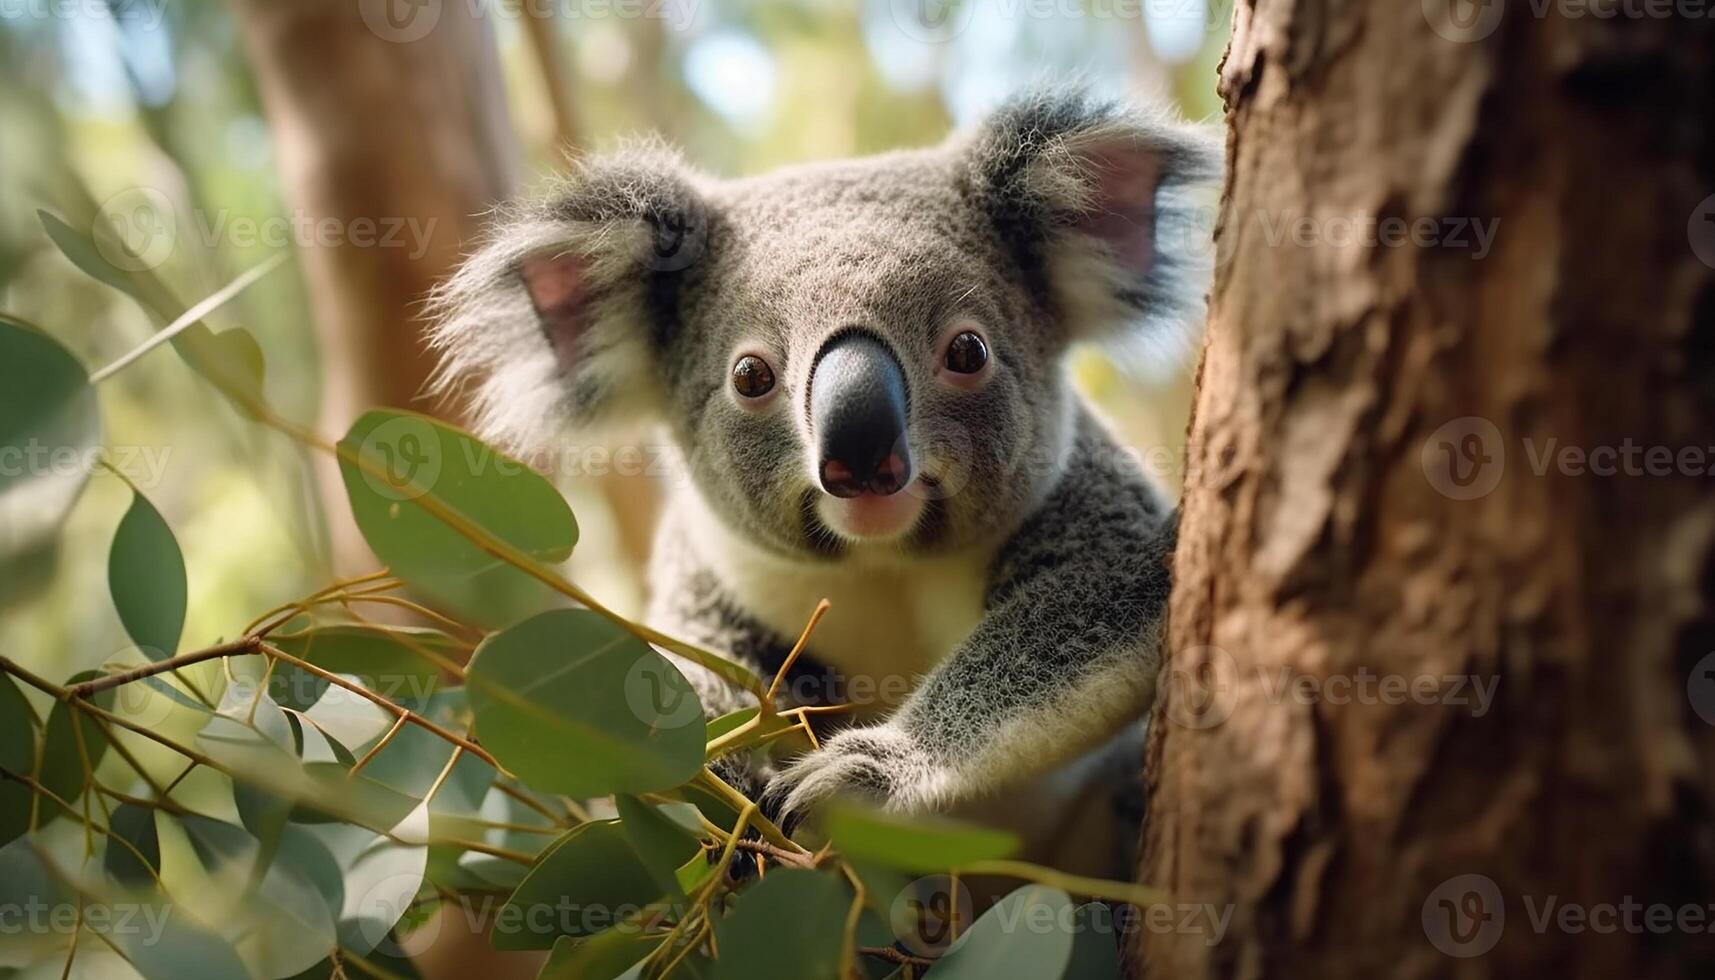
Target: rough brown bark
(376, 123)
(1326, 537)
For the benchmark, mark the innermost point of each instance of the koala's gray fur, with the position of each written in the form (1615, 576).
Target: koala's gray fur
(1023, 604)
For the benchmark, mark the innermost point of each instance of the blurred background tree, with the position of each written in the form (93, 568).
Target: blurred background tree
(224, 133)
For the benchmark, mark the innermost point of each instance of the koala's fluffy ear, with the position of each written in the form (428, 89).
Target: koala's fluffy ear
(558, 316)
(1108, 210)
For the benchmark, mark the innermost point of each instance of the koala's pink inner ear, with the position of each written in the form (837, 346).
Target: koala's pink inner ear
(559, 290)
(1120, 210)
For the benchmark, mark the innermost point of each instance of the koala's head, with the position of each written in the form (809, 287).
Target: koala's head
(851, 352)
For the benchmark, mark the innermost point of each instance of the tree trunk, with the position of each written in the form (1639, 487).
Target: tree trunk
(393, 138)
(1419, 464)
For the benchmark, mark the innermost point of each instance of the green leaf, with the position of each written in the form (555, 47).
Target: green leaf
(27, 882)
(280, 912)
(1095, 944)
(136, 826)
(588, 881)
(18, 756)
(789, 926)
(384, 658)
(573, 704)
(393, 463)
(694, 873)
(230, 360)
(661, 844)
(1026, 934)
(83, 253)
(182, 950)
(48, 416)
(730, 721)
(146, 574)
(602, 956)
(917, 844)
(62, 769)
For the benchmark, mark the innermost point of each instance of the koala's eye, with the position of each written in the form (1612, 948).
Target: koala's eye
(967, 353)
(752, 377)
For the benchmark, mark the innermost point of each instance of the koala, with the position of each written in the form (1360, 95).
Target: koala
(859, 368)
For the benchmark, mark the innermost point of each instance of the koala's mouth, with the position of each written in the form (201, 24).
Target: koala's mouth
(872, 516)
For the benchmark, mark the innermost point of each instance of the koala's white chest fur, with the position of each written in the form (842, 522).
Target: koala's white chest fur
(892, 617)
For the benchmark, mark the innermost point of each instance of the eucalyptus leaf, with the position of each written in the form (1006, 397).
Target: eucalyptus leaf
(72, 738)
(1026, 934)
(660, 843)
(146, 575)
(603, 956)
(17, 756)
(281, 914)
(140, 863)
(398, 466)
(919, 844)
(588, 881)
(1095, 945)
(789, 926)
(50, 426)
(573, 704)
(176, 947)
(230, 360)
(385, 659)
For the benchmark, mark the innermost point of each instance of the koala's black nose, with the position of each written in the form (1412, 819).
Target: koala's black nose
(857, 412)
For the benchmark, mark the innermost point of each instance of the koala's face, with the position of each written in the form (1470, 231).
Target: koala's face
(850, 354)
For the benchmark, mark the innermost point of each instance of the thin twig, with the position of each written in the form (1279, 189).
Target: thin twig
(778, 854)
(384, 704)
(375, 750)
(233, 648)
(893, 955)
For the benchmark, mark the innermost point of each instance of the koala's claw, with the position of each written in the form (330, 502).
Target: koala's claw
(879, 765)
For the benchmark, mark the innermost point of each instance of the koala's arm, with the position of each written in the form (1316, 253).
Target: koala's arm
(1065, 655)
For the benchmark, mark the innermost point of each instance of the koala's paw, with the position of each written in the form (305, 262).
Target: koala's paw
(880, 765)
